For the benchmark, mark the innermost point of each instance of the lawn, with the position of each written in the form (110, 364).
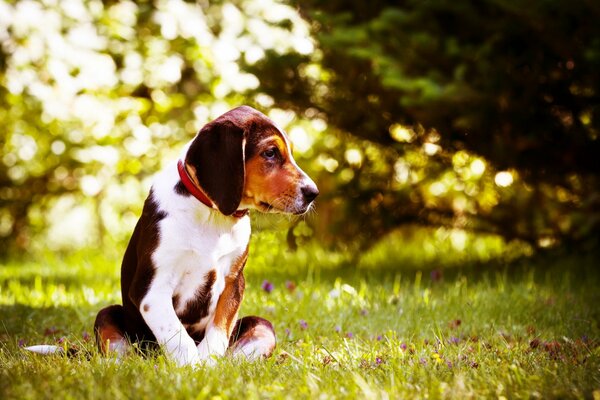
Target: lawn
(524, 328)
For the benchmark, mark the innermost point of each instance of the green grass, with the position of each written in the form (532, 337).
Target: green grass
(528, 329)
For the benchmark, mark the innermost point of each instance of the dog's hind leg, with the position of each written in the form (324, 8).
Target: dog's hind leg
(110, 331)
(252, 337)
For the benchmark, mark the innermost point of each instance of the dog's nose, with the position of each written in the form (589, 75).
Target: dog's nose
(310, 192)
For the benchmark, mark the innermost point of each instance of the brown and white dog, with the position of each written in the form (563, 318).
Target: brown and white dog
(182, 278)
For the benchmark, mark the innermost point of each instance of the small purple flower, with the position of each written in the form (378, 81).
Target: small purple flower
(449, 364)
(289, 285)
(156, 367)
(337, 328)
(379, 338)
(423, 361)
(585, 339)
(21, 343)
(50, 331)
(287, 332)
(86, 336)
(61, 340)
(403, 346)
(267, 286)
(364, 312)
(453, 340)
(349, 335)
(303, 324)
(378, 360)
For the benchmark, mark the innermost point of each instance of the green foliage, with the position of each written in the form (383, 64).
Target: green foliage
(514, 86)
(524, 329)
(475, 117)
(95, 96)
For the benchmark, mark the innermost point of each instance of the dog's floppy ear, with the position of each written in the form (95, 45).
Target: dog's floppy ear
(217, 156)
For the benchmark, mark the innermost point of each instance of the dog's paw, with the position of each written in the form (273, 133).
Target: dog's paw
(213, 345)
(210, 362)
(184, 355)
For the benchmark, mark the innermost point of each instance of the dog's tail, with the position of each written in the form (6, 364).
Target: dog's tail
(47, 349)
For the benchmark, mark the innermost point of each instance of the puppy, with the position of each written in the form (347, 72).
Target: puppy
(182, 278)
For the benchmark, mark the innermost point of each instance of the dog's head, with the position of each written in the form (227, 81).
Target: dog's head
(242, 160)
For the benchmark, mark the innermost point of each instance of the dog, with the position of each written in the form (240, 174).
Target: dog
(182, 276)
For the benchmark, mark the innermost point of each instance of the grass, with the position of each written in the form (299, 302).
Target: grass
(524, 329)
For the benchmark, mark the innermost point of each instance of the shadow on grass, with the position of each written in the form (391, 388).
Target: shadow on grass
(23, 325)
(60, 279)
(544, 267)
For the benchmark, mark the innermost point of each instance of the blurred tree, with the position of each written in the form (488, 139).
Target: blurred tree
(441, 83)
(95, 95)
(470, 115)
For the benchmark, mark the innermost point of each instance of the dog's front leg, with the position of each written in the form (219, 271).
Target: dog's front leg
(159, 314)
(218, 332)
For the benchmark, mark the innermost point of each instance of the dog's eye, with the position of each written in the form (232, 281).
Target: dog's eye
(270, 154)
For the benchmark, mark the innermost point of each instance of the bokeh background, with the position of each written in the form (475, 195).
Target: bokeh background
(429, 126)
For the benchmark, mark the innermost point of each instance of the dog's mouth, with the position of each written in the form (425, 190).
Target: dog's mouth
(270, 208)
(264, 204)
(303, 210)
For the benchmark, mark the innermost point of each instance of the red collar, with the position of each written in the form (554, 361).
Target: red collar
(198, 193)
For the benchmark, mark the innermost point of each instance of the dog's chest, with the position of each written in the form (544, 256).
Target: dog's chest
(196, 258)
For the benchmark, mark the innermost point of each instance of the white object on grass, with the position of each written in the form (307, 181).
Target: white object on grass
(45, 349)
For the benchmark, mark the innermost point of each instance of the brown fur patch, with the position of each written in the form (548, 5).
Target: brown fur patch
(270, 183)
(275, 185)
(137, 271)
(197, 308)
(175, 301)
(231, 298)
(109, 327)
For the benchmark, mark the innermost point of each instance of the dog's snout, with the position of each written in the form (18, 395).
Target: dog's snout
(310, 192)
